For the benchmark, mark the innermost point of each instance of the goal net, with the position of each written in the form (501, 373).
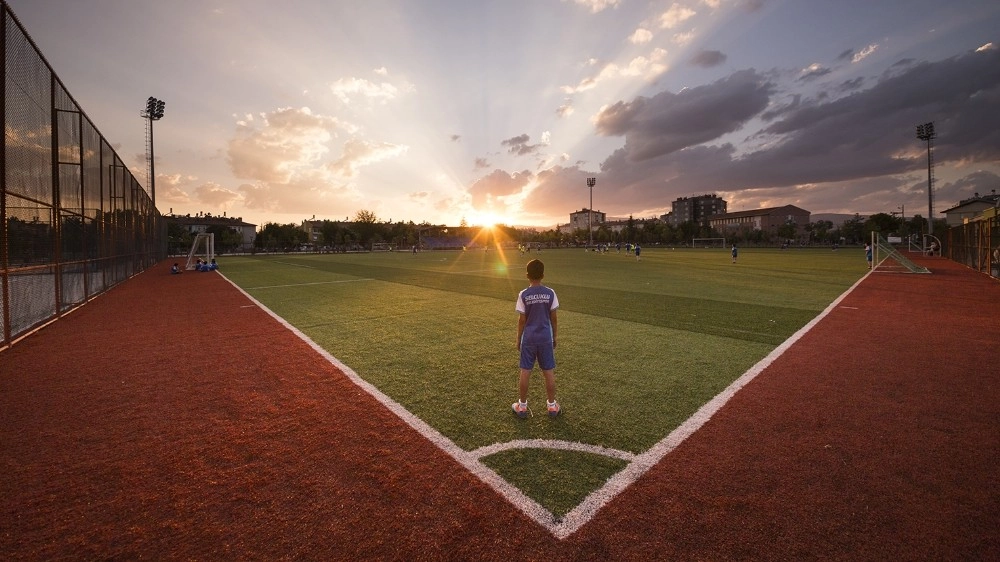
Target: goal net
(203, 247)
(383, 247)
(708, 242)
(887, 258)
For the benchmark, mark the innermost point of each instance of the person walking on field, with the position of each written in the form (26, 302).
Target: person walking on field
(868, 254)
(735, 252)
(536, 338)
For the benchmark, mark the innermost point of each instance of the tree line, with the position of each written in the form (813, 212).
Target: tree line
(365, 230)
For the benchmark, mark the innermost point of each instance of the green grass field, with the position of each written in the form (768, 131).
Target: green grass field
(642, 345)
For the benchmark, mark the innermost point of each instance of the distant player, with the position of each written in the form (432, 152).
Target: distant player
(735, 253)
(638, 252)
(536, 338)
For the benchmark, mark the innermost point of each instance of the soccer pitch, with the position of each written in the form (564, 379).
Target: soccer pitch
(642, 344)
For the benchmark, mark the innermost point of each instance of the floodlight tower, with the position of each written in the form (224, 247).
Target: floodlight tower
(591, 182)
(925, 132)
(152, 112)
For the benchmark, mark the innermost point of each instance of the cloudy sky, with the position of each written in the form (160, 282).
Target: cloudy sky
(498, 110)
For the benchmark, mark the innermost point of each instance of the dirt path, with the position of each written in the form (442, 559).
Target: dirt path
(208, 431)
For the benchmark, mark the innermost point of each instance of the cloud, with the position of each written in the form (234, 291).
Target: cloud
(488, 190)
(215, 196)
(669, 122)
(848, 145)
(858, 153)
(358, 153)
(813, 71)
(171, 188)
(708, 59)
(597, 6)
(351, 88)
(519, 145)
(981, 181)
(283, 141)
(646, 67)
(640, 36)
(676, 15)
(864, 53)
(685, 38)
(288, 159)
(481, 164)
(566, 109)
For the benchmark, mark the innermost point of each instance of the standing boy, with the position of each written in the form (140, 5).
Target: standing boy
(536, 338)
(735, 252)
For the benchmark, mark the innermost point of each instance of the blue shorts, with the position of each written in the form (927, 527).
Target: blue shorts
(542, 352)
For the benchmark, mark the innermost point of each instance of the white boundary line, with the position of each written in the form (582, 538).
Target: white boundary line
(592, 504)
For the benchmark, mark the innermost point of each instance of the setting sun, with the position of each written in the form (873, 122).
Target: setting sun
(486, 219)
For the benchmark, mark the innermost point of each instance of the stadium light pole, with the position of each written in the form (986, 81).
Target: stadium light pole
(591, 182)
(152, 112)
(925, 132)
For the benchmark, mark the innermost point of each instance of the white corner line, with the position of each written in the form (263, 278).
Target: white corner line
(638, 464)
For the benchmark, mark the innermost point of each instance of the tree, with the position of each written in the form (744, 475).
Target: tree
(788, 231)
(365, 225)
(179, 239)
(821, 230)
(882, 223)
(853, 230)
(365, 216)
(226, 239)
(280, 237)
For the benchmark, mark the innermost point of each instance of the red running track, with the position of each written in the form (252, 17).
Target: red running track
(208, 431)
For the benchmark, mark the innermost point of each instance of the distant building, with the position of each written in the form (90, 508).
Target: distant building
(766, 220)
(697, 209)
(202, 221)
(314, 229)
(970, 209)
(583, 219)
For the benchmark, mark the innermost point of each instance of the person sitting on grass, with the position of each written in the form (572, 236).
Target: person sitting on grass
(536, 338)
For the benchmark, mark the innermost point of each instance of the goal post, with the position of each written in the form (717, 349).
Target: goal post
(203, 247)
(887, 258)
(708, 242)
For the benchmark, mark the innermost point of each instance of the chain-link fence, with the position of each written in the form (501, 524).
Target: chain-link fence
(75, 220)
(976, 244)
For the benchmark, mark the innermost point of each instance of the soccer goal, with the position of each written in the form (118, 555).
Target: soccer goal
(383, 247)
(203, 247)
(708, 242)
(887, 258)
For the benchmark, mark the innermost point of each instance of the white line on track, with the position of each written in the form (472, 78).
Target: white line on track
(592, 504)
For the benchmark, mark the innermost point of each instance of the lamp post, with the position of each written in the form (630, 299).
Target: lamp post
(925, 132)
(152, 112)
(591, 182)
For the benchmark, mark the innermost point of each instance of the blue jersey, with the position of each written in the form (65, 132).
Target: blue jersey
(536, 303)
